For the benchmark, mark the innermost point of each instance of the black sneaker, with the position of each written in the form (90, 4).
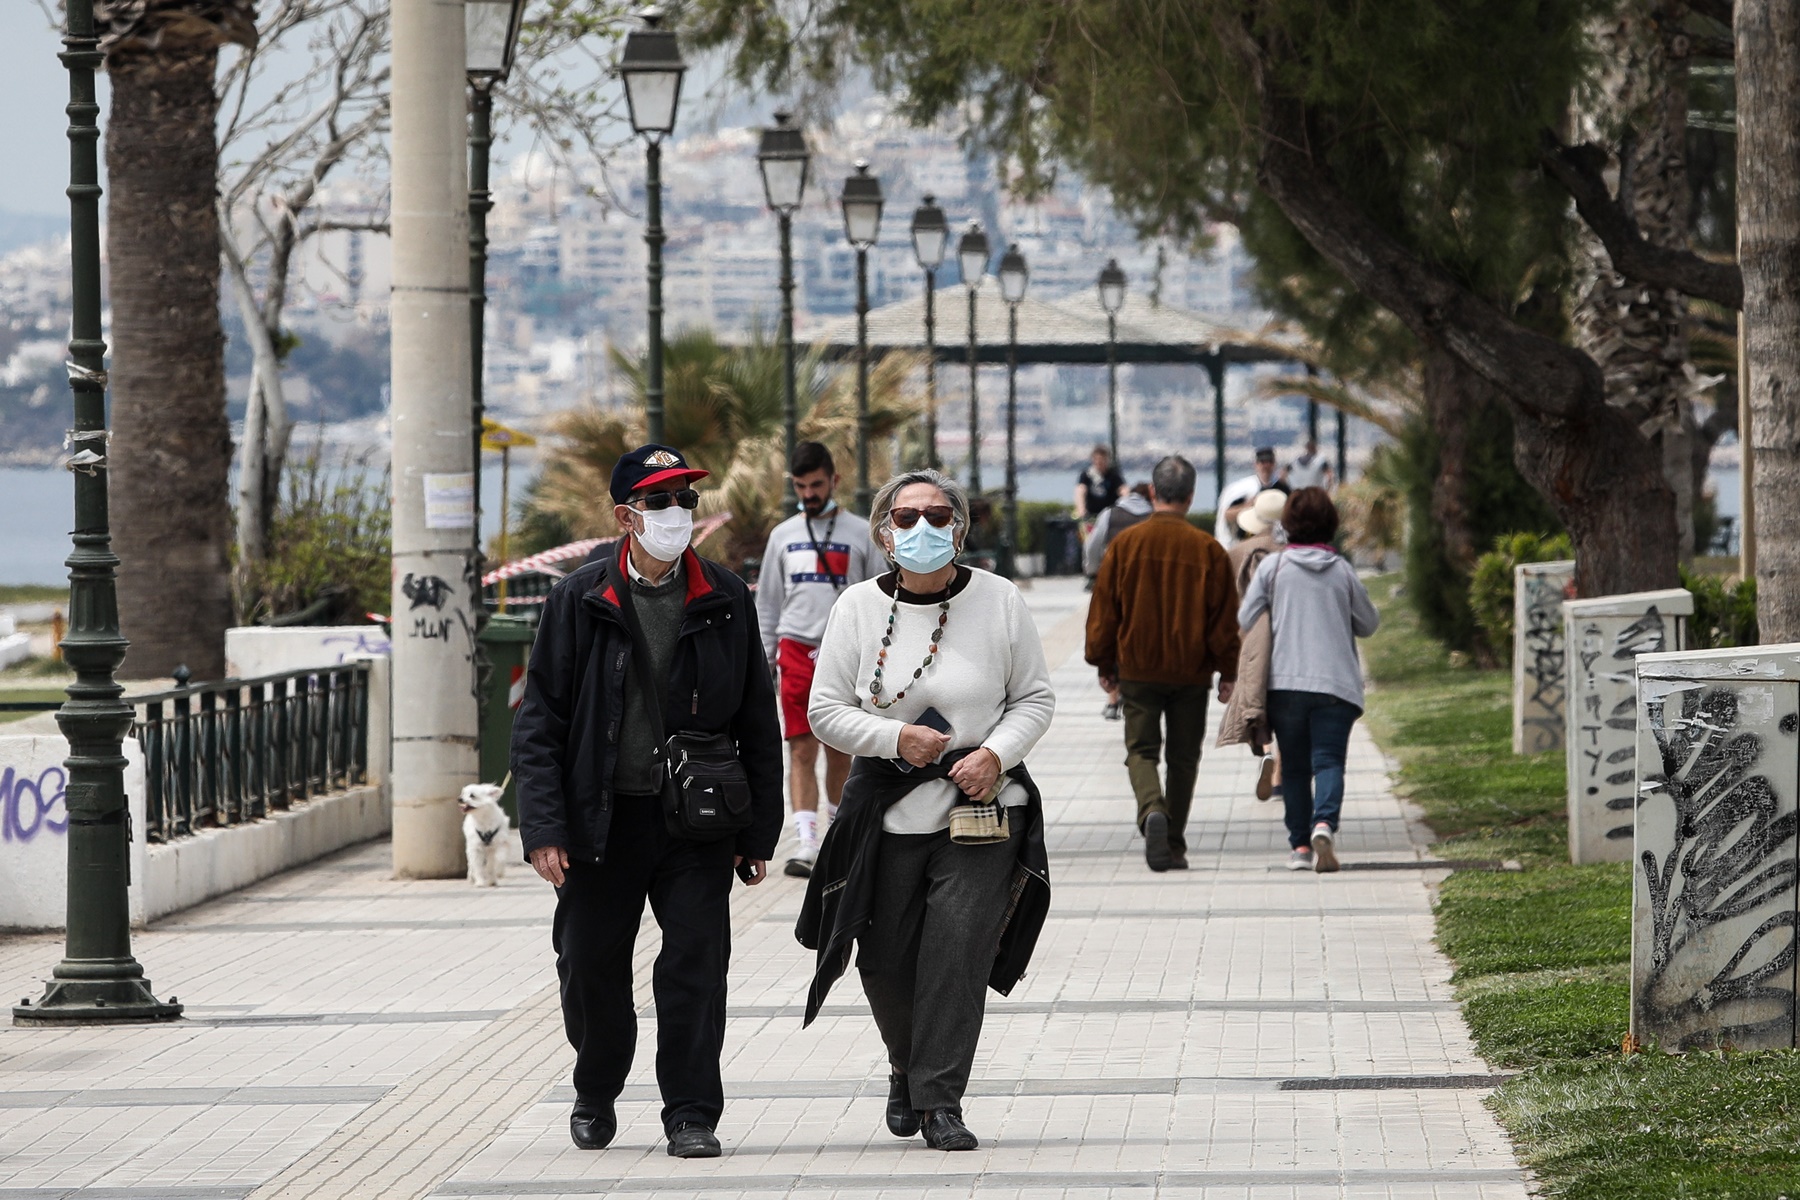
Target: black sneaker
(1156, 842)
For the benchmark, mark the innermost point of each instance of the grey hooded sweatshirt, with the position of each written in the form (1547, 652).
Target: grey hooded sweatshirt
(1320, 609)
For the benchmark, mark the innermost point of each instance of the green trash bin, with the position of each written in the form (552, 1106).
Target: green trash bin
(506, 644)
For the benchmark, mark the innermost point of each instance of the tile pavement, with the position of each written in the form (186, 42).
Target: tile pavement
(1233, 1032)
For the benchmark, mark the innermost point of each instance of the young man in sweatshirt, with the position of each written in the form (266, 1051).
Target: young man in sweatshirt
(809, 561)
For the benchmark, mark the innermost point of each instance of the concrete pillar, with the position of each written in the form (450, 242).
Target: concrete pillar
(435, 585)
(1603, 638)
(1713, 897)
(1539, 672)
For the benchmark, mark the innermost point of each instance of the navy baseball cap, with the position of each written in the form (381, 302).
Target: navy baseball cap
(649, 465)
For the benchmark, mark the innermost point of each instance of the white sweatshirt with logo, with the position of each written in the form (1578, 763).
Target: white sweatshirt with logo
(804, 571)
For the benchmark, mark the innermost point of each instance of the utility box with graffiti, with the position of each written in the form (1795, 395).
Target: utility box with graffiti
(1540, 674)
(1602, 639)
(1713, 916)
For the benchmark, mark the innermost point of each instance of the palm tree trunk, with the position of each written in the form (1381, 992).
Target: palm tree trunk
(171, 448)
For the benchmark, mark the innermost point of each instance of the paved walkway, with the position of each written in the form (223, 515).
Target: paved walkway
(1233, 1031)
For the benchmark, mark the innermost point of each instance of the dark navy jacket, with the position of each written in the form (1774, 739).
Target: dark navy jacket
(566, 735)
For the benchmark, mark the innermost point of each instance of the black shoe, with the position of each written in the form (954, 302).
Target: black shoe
(693, 1140)
(593, 1124)
(798, 868)
(1156, 841)
(1177, 860)
(902, 1121)
(944, 1130)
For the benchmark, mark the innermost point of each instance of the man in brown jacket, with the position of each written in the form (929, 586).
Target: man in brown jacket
(1162, 622)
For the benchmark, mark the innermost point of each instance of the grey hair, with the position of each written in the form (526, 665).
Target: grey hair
(1173, 480)
(953, 492)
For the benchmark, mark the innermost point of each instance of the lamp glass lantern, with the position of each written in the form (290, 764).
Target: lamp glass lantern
(862, 201)
(1014, 275)
(930, 234)
(785, 162)
(491, 35)
(972, 255)
(1112, 286)
(652, 69)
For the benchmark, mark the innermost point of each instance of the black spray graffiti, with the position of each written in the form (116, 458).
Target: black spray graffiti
(1541, 657)
(1607, 760)
(426, 591)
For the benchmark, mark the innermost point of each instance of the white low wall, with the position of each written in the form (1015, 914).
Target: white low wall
(34, 831)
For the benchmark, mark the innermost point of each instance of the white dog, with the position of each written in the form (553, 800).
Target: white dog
(486, 833)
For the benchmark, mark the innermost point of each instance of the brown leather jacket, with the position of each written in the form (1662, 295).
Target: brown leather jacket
(1165, 606)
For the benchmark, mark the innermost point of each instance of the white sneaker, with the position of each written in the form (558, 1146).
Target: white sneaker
(801, 865)
(1299, 859)
(1324, 854)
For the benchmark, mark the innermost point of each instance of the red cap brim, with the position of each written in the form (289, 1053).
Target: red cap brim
(671, 473)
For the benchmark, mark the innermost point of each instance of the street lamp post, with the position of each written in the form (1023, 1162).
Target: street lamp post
(652, 69)
(1112, 299)
(972, 256)
(862, 225)
(98, 980)
(1014, 275)
(784, 160)
(930, 237)
(490, 36)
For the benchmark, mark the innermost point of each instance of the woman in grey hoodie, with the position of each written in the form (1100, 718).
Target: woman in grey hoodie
(1318, 608)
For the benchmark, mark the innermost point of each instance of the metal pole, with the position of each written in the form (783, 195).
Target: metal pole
(864, 496)
(1343, 454)
(931, 450)
(1312, 416)
(1215, 367)
(436, 587)
(789, 402)
(481, 202)
(974, 405)
(98, 980)
(653, 237)
(1009, 548)
(1112, 383)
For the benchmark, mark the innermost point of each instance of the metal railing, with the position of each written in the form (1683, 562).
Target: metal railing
(223, 753)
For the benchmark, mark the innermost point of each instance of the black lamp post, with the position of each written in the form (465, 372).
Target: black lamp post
(1112, 299)
(652, 69)
(491, 35)
(930, 237)
(784, 162)
(1014, 275)
(98, 980)
(862, 225)
(972, 257)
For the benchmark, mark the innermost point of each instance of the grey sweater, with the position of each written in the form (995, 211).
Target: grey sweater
(1320, 609)
(659, 610)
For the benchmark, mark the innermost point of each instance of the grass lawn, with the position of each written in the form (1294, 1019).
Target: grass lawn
(34, 593)
(17, 695)
(1542, 959)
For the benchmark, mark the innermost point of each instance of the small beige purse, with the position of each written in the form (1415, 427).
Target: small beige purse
(982, 822)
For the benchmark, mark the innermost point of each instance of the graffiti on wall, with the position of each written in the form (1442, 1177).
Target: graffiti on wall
(1542, 683)
(1606, 719)
(32, 805)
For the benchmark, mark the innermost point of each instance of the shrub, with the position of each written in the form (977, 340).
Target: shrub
(1723, 615)
(1491, 586)
(331, 539)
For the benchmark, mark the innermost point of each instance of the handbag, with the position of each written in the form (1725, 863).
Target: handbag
(981, 822)
(705, 789)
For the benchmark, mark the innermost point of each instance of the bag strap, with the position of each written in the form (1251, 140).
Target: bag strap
(640, 649)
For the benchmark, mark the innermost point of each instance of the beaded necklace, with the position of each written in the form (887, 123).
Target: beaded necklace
(887, 639)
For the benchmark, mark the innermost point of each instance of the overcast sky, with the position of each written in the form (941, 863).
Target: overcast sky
(33, 90)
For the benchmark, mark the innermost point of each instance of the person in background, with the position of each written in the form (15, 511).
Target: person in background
(1132, 507)
(1261, 522)
(810, 559)
(1098, 487)
(1161, 625)
(1318, 608)
(1238, 494)
(1311, 469)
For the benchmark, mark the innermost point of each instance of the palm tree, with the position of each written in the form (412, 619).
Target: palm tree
(171, 448)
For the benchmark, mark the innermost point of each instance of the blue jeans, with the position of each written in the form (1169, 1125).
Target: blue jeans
(1313, 731)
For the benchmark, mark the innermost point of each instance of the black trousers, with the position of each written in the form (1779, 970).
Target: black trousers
(598, 911)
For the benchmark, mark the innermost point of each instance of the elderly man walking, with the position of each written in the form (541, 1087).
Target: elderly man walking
(1162, 623)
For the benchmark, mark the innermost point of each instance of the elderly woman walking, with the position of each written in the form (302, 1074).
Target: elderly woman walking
(932, 675)
(1317, 609)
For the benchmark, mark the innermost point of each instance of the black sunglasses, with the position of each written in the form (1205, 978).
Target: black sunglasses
(657, 501)
(938, 515)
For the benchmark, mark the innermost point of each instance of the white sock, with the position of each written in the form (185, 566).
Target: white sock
(806, 827)
(830, 813)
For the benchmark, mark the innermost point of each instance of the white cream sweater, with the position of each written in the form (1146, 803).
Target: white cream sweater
(989, 680)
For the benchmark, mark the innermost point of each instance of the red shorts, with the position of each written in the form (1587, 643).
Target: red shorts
(796, 661)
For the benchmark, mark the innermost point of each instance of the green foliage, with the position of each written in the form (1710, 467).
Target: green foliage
(1550, 918)
(1724, 615)
(1491, 586)
(1523, 1019)
(331, 534)
(1032, 515)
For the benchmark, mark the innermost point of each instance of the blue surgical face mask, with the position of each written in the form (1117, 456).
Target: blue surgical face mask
(924, 548)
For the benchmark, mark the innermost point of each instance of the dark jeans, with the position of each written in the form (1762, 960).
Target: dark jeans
(1313, 731)
(598, 910)
(931, 892)
(1147, 706)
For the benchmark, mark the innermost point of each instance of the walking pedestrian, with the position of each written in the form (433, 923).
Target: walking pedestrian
(1132, 507)
(1098, 487)
(647, 664)
(1311, 469)
(809, 561)
(1162, 623)
(1246, 717)
(1317, 609)
(934, 677)
(1238, 495)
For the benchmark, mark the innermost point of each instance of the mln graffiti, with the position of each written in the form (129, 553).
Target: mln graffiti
(31, 806)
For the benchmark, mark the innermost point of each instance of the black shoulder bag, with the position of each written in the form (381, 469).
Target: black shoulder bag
(705, 789)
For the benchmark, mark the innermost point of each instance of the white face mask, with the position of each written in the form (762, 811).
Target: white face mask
(667, 533)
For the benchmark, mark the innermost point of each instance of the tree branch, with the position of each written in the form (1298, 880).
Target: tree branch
(1578, 169)
(1716, 10)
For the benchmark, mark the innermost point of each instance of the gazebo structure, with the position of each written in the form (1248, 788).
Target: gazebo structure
(1071, 330)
